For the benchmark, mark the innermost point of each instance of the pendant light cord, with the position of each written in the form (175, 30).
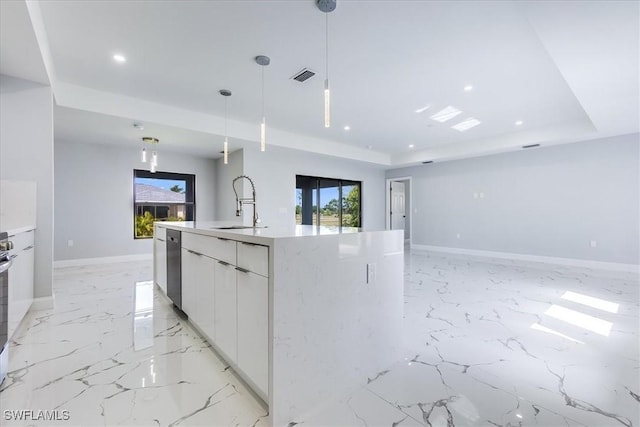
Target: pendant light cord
(262, 91)
(327, 43)
(225, 117)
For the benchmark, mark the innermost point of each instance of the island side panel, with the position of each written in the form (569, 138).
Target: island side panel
(331, 329)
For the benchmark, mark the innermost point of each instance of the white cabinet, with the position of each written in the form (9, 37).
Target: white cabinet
(205, 307)
(189, 286)
(225, 310)
(198, 290)
(253, 322)
(215, 247)
(254, 258)
(21, 279)
(160, 263)
(225, 288)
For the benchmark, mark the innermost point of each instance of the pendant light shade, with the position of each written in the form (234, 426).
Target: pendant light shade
(263, 61)
(263, 134)
(225, 146)
(327, 104)
(327, 6)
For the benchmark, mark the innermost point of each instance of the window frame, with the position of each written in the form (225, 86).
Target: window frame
(340, 183)
(189, 191)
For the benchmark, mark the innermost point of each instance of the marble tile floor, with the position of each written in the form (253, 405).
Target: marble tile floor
(488, 343)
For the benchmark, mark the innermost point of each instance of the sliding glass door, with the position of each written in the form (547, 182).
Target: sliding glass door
(327, 201)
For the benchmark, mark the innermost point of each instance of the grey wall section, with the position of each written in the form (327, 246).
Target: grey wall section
(548, 201)
(274, 172)
(94, 197)
(26, 154)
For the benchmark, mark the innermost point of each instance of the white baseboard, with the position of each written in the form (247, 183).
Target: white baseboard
(572, 262)
(42, 303)
(101, 260)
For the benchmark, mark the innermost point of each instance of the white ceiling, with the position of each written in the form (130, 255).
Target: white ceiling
(568, 70)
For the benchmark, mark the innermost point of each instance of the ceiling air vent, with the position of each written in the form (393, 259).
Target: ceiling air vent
(531, 146)
(304, 74)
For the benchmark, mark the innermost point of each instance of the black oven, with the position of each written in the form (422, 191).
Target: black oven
(5, 263)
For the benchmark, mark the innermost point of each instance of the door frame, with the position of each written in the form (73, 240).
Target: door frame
(387, 207)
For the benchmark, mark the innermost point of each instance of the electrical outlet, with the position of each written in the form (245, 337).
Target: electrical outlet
(481, 195)
(371, 274)
(475, 195)
(458, 236)
(593, 244)
(69, 243)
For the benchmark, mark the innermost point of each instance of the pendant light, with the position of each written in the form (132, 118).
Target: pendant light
(143, 155)
(327, 6)
(225, 147)
(153, 164)
(263, 61)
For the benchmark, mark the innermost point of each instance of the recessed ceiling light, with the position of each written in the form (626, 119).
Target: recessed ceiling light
(119, 58)
(466, 124)
(445, 114)
(411, 145)
(468, 88)
(347, 127)
(518, 122)
(423, 109)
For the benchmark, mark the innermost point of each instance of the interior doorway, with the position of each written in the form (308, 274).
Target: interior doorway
(398, 205)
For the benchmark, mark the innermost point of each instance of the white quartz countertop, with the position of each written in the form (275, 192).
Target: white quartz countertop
(249, 234)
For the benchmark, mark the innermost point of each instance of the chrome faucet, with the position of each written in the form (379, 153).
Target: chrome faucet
(247, 201)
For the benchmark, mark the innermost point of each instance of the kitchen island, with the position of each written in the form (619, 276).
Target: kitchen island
(303, 314)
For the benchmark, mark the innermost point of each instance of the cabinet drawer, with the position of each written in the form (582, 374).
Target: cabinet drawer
(214, 247)
(254, 258)
(160, 233)
(22, 241)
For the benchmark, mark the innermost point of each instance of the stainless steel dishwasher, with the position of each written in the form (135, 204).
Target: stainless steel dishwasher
(174, 267)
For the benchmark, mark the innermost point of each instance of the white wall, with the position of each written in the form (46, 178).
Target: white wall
(94, 197)
(274, 173)
(547, 201)
(225, 197)
(26, 154)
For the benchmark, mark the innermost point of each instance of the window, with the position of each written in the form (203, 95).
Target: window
(328, 201)
(161, 196)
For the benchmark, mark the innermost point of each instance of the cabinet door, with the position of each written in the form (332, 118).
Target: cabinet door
(205, 304)
(189, 288)
(253, 323)
(26, 290)
(21, 279)
(225, 309)
(18, 279)
(160, 264)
